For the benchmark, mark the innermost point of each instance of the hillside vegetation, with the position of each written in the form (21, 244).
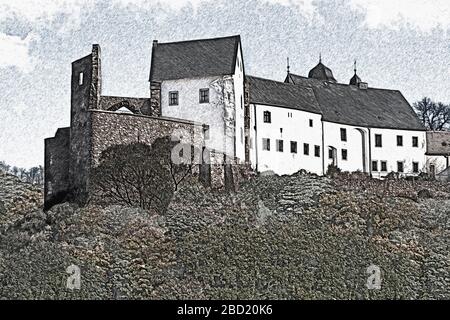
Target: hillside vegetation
(288, 237)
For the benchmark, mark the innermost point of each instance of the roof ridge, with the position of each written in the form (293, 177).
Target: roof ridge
(198, 40)
(342, 84)
(267, 79)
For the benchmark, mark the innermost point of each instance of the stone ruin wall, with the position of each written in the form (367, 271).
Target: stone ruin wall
(112, 128)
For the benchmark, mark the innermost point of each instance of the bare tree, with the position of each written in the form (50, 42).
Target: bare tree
(434, 116)
(182, 166)
(138, 175)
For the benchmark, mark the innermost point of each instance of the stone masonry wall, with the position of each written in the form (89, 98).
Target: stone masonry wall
(57, 159)
(135, 105)
(155, 98)
(111, 128)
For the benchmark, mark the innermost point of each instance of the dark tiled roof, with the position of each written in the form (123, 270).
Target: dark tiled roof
(346, 104)
(275, 93)
(438, 143)
(195, 58)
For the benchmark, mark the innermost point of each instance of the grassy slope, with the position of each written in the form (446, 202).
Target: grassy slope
(296, 237)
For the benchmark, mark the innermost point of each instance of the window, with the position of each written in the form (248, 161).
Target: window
(374, 165)
(266, 144)
(317, 151)
(267, 117)
(415, 167)
(242, 135)
(378, 141)
(344, 154)
(293, 146)
(383, 166)
(399, 166)
(311, 123)
(204, 95)
(415, 142)
(306, 149)
(343, 134)
(242, 102)
(289, 114)
(173, 98)
(399, 141)
(80, 78)
(280, 145)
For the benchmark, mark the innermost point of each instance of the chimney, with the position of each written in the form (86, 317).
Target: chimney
(363, 85)
(155, 43)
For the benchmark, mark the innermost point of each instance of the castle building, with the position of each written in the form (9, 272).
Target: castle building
(200, 87)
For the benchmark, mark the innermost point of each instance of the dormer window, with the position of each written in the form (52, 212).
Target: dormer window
(204, 95)
(80, 78)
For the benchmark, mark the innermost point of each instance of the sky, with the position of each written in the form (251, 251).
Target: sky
(398, 44)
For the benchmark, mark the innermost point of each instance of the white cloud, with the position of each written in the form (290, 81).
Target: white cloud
(425, 14)
(14, 51)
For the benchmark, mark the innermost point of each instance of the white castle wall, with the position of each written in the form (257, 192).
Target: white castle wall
(295, 128)
(392, 153)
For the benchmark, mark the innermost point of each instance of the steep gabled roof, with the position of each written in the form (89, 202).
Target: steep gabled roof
(194, 58)
(275, 93)
(347, 104)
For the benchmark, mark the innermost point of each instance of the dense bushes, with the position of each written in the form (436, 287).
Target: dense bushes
(289, 237)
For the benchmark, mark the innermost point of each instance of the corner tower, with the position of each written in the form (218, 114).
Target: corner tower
(85, 95)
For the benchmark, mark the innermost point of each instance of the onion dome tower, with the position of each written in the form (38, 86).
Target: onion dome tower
(321, 72)
(355, 80)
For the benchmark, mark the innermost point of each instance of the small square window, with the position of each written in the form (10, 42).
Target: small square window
(267, 117)
(317, 151)
(343, 134)
(266, 144)
(280, 145)
(311, 123)
(344, 154)
(204, 95)
(374, 165)
(80, 78)
(378, 141)
(415, 142)
(383, 166)
(415, 167)
(306, 149)
(173, 98)
(400, 166)
(399, 141)
(293, 146)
